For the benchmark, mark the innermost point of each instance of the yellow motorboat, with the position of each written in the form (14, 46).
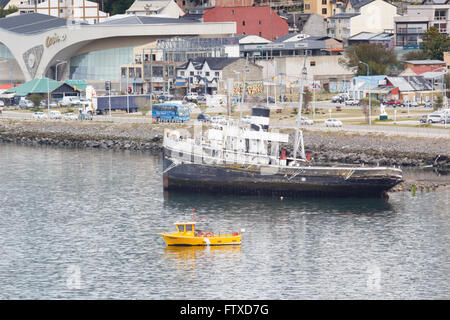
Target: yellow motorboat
(187, 235)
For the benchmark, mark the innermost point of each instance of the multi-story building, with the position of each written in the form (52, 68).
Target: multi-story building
(410, 27)
(260, 21)
(325, 8)
(355, 16)
(68, 9)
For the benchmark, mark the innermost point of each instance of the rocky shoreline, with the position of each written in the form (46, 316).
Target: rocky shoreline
(326, 147)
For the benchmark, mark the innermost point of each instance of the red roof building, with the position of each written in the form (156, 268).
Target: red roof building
(259, 21)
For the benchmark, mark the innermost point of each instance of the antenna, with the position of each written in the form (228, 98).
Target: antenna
(298, 132)
(193, 216)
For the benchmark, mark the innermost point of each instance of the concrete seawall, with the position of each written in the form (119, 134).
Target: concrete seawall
(326, 147)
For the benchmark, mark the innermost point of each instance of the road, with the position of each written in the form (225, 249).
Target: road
(435, 131)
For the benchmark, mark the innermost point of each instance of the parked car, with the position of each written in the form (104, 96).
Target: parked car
(333, 123)
(26, 104)
(52, 104)
(204, 117)
(337, 99)
(306, 121)
(202, 97)
(39, 115)
(85, 116)
(446, 119)
(410, 103)
(428, 104)
(432, 118)
(435, 117)
(70, 116)
(69, 101)
(395, 103)
(164, 97)
(246, 119)
(351, 102)
(219, 119)
(191, 96)
(55, 114)
(340, 98)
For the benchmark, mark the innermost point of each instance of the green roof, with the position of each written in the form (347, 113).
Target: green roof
(41, 85)
(79, 84)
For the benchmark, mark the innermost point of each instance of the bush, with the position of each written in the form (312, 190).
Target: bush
(36, 99)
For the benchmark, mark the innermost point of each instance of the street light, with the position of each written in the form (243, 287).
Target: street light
(56, 68)
(370, 109)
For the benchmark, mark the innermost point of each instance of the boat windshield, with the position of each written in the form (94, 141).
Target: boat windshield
(185, 227)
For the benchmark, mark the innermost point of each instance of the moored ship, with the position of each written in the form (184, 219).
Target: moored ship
(246, 158)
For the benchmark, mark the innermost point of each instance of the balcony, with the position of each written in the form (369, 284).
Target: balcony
(410, 31)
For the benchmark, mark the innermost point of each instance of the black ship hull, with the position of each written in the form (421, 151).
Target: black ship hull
(284, 181)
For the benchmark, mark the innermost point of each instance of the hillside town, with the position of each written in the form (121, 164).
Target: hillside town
(224, 149)
(174, 48)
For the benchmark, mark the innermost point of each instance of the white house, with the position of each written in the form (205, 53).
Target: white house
(362, 15)
(161, 8)
(68, 9)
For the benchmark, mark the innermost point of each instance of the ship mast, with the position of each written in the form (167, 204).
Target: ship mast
(299, 133)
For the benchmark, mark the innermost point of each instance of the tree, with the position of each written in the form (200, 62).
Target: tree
(114, 6)
(36, 99)
(364, 102)
(379, 59)
(5, 12)
(415, 55)
(434, 44)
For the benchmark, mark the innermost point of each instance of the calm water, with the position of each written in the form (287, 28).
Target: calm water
(81, 224)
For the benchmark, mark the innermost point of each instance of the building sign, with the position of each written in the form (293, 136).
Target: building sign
(180, 82)
(51, 40)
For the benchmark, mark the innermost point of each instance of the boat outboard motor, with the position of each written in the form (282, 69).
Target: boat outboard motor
(260, 118)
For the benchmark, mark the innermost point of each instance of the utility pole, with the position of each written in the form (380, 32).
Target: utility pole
(370, 108)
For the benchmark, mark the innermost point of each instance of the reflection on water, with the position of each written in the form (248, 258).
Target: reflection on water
(187, 258)
(83, 224)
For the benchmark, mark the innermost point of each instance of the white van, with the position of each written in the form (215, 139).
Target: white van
(69, 101)
(54, 114)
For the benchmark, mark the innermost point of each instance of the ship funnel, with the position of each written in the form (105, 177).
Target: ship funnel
(260, 118)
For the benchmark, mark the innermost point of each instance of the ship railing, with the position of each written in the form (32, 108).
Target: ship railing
(188, 148)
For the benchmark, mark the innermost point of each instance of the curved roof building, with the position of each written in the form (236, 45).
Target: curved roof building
(34, 45)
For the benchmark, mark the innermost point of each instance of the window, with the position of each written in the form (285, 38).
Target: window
(216, 74)
(259, 22)
(189, 227)
(207, 73)
(181, 227)
(307, 6)
(324, 2)
(243, 22)
(232, 11)
(324, 11)
(312, 63)
(260, 34)
(191, 73)
(182, 73)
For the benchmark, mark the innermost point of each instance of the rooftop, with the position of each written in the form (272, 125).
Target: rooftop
(31, 23)
(425, 62)
(39, 85)
(344, 15)
(213, 63)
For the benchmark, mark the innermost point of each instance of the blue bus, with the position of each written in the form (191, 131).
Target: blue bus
(170, 112)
